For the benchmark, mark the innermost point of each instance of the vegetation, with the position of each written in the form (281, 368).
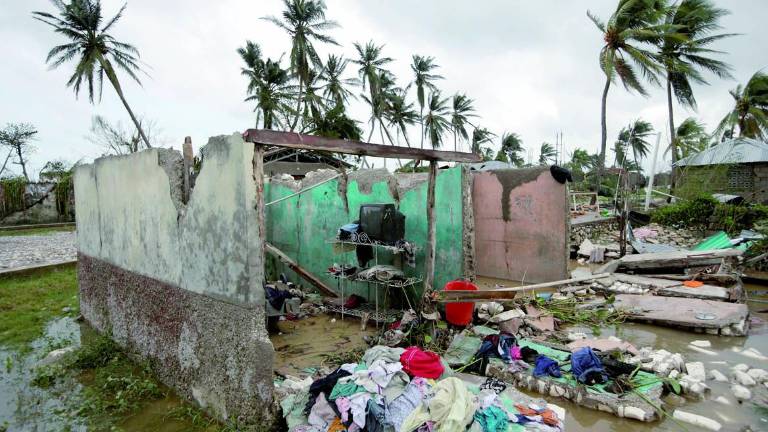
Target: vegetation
(461, 111)
(635, 139)
(17, 137)
(567, 311)
(511, 147)
(547, 153)
(36, 231)
(30, 300)
(688, 52)
(115, 139)
(423, 78)
(706, 212)
(690, 138)
(750, 111)
(13, 194)
(634, 24)
(93, 48)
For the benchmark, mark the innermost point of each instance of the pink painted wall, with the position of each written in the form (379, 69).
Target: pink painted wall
(530, 241)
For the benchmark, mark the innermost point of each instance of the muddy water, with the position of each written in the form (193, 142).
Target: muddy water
(304, 344)
(24, 407)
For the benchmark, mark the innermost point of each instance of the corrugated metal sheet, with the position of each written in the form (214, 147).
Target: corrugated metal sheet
(739, 150)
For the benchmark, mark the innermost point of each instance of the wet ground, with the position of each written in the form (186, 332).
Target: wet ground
(24, 407)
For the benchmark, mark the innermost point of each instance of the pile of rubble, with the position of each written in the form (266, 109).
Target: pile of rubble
(684, 238)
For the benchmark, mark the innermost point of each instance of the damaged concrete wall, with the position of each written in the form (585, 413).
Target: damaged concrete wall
(521, 225)
(303, 226)
(180, 285)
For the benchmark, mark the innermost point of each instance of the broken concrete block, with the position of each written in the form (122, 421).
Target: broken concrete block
(759, 375)
(702, 350)
(574, 336)
(718, 376)
(722, 400)
(742, 393)
(55, 356)
(744, 379)
(507, 315)
(542, 324)
(753, 353)
(511, 326)
(696, 370)
(741, 367)
(697, 420)
(702, 343)
(586, 247)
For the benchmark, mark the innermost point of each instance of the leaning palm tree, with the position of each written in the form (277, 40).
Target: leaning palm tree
(633, 23)
(336, 86)
(400, 114)
(690, 137)
(94, 49)
(511, 147)
(750, 111)
(461, 111)
(480, 136)
(635, 138)
(374, 76)
(269, 85)
(304, 21)
(685, 56)
(436, 122)
(422, 68)
(547, 153)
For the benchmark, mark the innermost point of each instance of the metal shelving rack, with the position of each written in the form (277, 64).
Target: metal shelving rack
(341, 279)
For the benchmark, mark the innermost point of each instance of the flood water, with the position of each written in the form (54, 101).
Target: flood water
(24, 407)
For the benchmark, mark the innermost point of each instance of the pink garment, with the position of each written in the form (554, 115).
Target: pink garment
(343, 405)
(418, 363)
(514, 352)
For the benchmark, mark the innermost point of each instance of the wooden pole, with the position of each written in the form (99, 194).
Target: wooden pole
(188, 155)
(429, 267)
(509, 293)
(304, 274)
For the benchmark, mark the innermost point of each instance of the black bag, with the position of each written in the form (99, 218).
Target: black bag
(382, 222)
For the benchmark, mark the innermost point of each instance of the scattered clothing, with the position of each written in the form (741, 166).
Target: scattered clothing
(531, 412)
(343, 405)
(451, 408)
(493, 384)
(403, 405)
(345, 387)
(517, 366)
(409, 252)
(514, 353)
(337, 426)
(418, 363)
(381, 352)
(382, 376)
(324, 386)
(497, 345)
(586, 367)
(529, 354)
(353, 301)
(492, 419)
(346, 232)
(376, 420)
(560, 174)
(321, 414)
(382, 273)
(545, 366)
(364, 254)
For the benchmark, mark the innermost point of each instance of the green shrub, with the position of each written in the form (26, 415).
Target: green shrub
(686, 213)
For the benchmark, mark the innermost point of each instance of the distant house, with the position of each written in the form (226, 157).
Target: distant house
(735, 167)
(298, 163)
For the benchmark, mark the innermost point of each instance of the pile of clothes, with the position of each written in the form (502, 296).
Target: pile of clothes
(404, 390)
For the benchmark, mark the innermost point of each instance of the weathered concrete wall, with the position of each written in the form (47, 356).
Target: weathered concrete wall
(180, 284)
(303, 226)
(521, 225)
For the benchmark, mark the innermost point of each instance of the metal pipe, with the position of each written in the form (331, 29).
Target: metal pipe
(303, 190)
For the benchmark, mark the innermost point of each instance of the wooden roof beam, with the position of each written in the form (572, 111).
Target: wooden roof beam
(311, 142)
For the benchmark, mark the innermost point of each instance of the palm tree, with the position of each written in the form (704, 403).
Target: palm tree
(634, 23)
(400, 114)
(93, 47)
(304, 21)
(422, 68)
(268, 85)
(480, 136)
(435, 122)
(686, 56)
(335, 87)
(371, 73)
(750, 111)
(462, 110)
(511, 147)
(547, 153)
(634, 137)
(690, 137)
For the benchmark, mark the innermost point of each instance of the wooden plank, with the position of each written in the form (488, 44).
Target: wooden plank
(311, 142)
(304, 274)
(509, 293)
(429, 267)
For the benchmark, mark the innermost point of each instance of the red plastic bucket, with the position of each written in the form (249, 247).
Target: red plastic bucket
(459, 314)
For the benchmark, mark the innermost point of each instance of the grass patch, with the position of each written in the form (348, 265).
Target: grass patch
(30, 300)
(35, 231)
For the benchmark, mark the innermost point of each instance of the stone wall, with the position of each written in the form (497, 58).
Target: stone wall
(39, 206)
(599, 230)
(180, 284)
(747, 180)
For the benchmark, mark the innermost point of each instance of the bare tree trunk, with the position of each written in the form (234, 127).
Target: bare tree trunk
(116, 84)
(672, 141)
(5, 163)
(21, 161)
(604, 135)
(298, 105)
(421, 121)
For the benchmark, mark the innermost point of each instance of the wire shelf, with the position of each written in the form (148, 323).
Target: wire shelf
(391, 284)
(373, 243)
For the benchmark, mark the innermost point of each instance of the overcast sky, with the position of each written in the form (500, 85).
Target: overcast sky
(530, 66)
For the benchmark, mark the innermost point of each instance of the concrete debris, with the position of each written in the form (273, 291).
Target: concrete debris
(486, 311)
(722, 400)
(718, 376)
(759, 375)
(744, 379)
(702, 343)
(741, 367)
(55, 356)
(604, 345)
(696, 370)
(741, 393)
(507, 315)
(702, 350)
(696, 420)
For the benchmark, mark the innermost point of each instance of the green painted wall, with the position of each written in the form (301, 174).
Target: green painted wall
(303, 226)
